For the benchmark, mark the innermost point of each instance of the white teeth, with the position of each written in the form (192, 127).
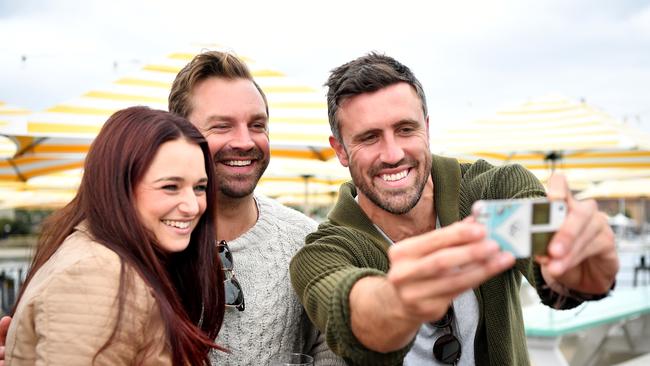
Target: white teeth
(238, 162)
(394, 177)
(178, 224)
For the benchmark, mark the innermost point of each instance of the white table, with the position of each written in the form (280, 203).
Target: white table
(545, 326)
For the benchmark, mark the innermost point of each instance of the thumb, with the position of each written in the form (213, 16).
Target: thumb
(557, 188)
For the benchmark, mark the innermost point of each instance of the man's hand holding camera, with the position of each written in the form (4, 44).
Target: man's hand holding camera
(582, 254)
(427, 272)
(430, 270)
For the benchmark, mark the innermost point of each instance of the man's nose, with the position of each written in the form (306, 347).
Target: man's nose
(392, 151)
(242, 139)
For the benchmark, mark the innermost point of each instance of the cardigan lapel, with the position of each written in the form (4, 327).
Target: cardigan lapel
(445, 173)
(348, 211)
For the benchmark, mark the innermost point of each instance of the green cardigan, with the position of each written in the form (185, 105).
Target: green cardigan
(348, 247)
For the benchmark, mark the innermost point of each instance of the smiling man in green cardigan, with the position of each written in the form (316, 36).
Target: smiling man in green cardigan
(400, 273)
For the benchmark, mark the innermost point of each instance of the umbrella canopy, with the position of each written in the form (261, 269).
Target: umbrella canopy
(581, 179)
(285, 177)
(58, 139)
(45, 191)
(12, 122)
(628, 188)
(302, 178)
(12, 119)
(549, 132)
(21, 169)
(298, 121)
(23, 157)
(28, 198)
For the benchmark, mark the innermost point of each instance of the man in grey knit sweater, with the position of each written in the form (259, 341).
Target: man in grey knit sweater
(381, 274)
(216, 92)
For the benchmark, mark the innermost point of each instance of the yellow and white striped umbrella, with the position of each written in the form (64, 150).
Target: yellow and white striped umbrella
(307, 183)
(23, 157)
(308, 203)
(547, 132)
(580, 179)
(12, 122)
(40, 198)
(53, 190)
(290, 176)
(12, 119)
(35, 156)
(622, 188)
(284, 177)
(298, 121)
(23, 168)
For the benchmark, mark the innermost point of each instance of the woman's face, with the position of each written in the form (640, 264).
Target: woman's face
(170, 198)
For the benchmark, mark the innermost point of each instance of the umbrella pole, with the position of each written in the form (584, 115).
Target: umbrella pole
(621, 205)
(644, 223)
(306, 178)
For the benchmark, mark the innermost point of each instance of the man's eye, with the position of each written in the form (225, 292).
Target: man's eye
(369, 139)
(259, 126)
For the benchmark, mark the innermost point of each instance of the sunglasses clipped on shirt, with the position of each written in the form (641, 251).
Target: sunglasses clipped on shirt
(446, 348)
(234, 293)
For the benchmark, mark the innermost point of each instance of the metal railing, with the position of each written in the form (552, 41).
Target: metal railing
(12, 276)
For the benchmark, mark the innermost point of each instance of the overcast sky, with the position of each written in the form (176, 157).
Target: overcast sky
(473, 57)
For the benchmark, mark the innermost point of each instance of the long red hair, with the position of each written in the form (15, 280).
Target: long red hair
(188, 286)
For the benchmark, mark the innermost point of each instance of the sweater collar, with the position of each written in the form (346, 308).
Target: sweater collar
(446, 189)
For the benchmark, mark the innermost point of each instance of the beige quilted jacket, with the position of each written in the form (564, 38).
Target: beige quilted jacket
(69, 310)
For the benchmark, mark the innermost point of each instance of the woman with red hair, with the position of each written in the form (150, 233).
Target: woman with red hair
(127, 272)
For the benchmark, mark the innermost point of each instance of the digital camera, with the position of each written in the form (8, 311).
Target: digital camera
(523, 227)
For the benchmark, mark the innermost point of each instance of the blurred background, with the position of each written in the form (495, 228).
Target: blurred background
(554, 85)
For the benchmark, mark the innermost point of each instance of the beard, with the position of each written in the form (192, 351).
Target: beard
(395, 201)
(235, 185)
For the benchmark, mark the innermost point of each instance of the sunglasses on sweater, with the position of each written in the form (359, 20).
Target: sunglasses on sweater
(446, 348)
(234, 293)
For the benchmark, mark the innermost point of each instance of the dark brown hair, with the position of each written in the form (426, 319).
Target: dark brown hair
(203, 66)
(188, 286)
(366, 74)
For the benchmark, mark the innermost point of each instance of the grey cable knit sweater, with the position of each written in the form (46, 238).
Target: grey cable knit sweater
(274, 322)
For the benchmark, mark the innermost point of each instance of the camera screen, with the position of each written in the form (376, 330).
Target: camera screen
(541, 213)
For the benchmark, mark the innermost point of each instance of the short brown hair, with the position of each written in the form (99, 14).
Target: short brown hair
(366, 74)
(203, 66)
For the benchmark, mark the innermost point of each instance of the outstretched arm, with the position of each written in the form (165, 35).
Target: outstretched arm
(370, 305)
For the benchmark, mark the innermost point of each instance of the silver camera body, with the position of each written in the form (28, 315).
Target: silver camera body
(523, 227)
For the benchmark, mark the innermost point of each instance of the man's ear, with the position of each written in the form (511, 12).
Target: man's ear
(340, 151)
